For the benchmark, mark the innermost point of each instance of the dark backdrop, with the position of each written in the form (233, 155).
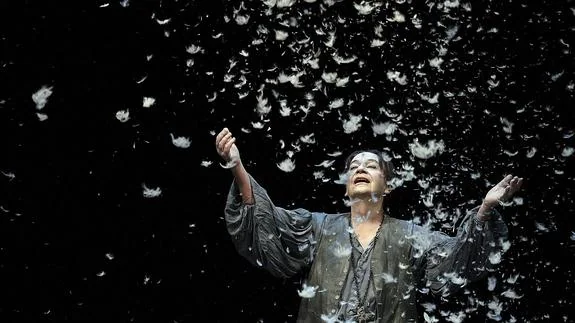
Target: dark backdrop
(489, 84)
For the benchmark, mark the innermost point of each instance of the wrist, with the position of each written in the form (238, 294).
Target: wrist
(236, 166)
(488, 206)
(485, 211)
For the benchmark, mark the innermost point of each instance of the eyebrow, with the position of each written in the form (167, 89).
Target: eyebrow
(355, 161)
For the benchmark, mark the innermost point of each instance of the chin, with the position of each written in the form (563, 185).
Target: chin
(361, 195)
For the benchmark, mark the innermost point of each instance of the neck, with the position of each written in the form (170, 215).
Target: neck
(366, 212)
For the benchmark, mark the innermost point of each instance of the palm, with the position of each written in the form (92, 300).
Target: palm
(227, 149)
(504, 190)
(234, 154)
(232, 157)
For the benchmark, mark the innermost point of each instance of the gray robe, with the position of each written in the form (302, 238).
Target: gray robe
(406, 256)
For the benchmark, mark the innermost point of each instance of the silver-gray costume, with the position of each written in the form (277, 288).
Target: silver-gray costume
(402, 258)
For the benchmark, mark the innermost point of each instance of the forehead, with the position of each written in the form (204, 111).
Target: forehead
(365, 156)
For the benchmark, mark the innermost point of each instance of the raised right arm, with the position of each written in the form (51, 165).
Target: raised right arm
(227, 149)
(278, 240)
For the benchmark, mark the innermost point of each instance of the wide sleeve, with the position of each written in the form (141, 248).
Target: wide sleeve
(449, 262)
(280, 241)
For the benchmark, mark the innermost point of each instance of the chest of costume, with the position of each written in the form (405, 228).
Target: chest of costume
(390, 265)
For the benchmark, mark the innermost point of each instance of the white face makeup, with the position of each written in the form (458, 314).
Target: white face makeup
(365, 160)
(365, 177)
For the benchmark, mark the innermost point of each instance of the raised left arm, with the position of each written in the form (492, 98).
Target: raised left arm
(478, 246)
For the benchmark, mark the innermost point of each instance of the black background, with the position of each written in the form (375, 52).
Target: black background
(79, 241)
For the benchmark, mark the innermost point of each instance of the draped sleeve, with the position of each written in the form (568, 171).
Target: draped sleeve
(279, 240)
(449, 262)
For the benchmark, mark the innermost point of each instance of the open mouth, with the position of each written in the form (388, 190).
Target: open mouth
(361, 180)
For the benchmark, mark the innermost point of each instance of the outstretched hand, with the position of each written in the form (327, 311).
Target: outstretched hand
(503, 191)
(227, 149)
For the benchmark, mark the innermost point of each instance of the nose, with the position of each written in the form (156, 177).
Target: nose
(360, 169)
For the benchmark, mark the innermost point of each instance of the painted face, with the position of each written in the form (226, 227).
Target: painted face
(366, 178)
